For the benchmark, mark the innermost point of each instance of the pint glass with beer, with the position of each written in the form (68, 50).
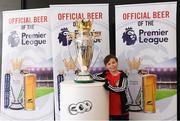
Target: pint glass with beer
(149, 92)
(29, 91)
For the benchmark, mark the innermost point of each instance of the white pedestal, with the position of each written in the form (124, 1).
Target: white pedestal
(88, 101)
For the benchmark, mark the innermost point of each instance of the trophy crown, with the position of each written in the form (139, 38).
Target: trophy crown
(134, 63)
(84, 25)
(17, 63)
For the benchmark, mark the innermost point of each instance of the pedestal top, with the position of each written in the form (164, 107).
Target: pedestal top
(73, 83)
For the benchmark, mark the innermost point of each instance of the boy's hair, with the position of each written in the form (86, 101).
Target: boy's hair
(108, 57)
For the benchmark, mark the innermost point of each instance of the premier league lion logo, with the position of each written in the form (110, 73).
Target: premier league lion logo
(13, 39)
(129, 36)
(63, 37)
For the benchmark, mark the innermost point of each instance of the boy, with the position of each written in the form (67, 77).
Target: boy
(116, 84)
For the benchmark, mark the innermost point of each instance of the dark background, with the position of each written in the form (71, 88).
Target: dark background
(28, 4)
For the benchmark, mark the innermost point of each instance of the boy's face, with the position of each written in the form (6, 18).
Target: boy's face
(112, 65)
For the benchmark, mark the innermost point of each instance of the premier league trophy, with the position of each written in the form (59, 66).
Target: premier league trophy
(16, 88)
(84, 45)
(135, 85)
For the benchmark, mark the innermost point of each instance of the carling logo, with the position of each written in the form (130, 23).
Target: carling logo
(80, 107)
(13, 39)
(129, 37)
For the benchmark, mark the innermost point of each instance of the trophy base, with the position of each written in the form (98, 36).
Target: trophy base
(84, 78)
(84, 81)
(16, 106)
(135, 108)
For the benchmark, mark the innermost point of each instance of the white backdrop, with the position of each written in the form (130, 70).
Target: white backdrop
(26, 37)
(146, 36)
(63, 16)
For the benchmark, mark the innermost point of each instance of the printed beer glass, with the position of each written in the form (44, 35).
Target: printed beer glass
(149, 92)
(29, 91)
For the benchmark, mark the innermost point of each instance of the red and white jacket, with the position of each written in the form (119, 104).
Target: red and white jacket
(117, 86)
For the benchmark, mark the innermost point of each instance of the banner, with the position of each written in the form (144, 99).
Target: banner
(27, 74)
(64, 32)
(146, 49)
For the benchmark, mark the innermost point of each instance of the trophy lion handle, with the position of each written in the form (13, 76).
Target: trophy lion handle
(72, 59)
(92, 65)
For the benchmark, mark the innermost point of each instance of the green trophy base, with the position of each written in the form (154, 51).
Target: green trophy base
(84, 77)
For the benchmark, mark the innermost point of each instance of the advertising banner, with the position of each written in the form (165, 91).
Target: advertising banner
(68, 22)
(146, 49)
(27, 74)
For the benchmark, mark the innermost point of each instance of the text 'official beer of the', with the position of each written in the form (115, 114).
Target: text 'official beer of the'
(149, 92)
(29, 91)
